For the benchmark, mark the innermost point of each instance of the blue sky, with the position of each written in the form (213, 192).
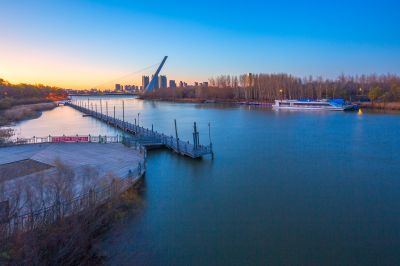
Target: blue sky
(82, 44)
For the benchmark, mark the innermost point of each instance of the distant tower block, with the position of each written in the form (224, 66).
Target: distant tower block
(154, 79)
(162, 82)
(145, 81)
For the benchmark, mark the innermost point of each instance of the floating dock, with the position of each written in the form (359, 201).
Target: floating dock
(149, 137)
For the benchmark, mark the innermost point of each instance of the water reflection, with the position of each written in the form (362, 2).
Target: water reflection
(284, 188)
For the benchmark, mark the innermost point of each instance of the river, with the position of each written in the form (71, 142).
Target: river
(284, 187)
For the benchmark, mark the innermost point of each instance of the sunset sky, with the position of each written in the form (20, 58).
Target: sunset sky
(83, 44)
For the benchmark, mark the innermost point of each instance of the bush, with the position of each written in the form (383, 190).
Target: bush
(6, 103)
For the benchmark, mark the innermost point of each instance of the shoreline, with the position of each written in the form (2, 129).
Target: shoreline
(109, 196)
(390, 106)
(23, 112)
(196, 100)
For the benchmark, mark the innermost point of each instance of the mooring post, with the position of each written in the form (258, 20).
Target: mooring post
(195, 136)
(101, 108)
(209, 137)
(123, 113)
(107, 109)
(114, 114)
(138, 114)
(88, 103)
(176, 134)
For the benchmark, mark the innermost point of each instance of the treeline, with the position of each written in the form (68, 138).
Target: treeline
(268, 87)
(12, 94)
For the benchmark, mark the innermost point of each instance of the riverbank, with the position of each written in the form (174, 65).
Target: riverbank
(381, 105)
(191, 100)
(89, 198)
(394, 106)
(24, 112)
(75, 240)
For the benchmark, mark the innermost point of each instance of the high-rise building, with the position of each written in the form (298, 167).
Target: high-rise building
(145, 82)
(172, 83)
(118, 87)
(156, 83)
(162, 81)
(181, 83)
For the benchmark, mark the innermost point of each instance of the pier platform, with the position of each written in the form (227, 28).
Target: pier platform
(149, 137)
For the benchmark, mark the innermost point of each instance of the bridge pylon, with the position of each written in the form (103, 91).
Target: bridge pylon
(150, 87)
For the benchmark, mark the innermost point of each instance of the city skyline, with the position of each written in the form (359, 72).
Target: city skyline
(81, 45)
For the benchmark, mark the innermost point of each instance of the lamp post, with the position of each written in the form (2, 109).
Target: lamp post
(281, 92)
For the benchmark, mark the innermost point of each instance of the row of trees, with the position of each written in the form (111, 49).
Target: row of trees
(12, 94)
(268, 87)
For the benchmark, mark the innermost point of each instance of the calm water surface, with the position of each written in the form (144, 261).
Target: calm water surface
(284, 188)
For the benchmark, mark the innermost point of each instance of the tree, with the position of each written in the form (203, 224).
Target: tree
(5, 134)
(374, 94)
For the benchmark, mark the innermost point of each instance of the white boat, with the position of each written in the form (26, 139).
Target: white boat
(317, 105)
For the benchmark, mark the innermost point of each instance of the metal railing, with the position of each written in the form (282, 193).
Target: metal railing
(179, 146)
(89, 200)
(66, 139)
(77, 139)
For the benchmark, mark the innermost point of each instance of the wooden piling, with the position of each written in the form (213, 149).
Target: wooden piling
(123, 114)
(151, 137)
(176, 135)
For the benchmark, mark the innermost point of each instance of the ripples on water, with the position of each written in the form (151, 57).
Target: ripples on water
(284, 188)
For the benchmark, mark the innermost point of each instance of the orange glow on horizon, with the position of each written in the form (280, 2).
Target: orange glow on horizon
(25, 65)
(20, 62)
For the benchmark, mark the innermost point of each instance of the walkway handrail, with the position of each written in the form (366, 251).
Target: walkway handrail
(91, 199)
(179, 146)
(91, 138)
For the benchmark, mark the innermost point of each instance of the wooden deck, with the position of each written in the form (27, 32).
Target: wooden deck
(148, 137)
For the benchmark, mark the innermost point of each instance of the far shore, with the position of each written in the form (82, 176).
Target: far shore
(366, 105)
(196, 100)
(381, 105)
(23, 112)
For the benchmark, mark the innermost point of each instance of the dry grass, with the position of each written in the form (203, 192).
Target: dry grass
(27, 111)
(382, 105)
(73, 240)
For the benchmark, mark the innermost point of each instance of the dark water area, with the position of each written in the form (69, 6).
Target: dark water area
(309, 188)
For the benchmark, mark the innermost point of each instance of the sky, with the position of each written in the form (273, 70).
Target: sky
(86, 44)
